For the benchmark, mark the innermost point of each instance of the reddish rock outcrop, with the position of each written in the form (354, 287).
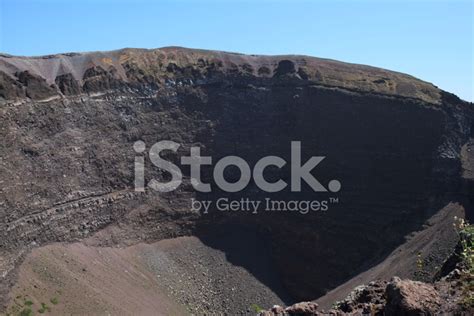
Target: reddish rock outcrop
(410, 298)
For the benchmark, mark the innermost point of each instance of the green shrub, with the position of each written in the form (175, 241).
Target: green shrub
(28, 303)
(26, 312)
(466, 239)
(256, 308)
(44, 308)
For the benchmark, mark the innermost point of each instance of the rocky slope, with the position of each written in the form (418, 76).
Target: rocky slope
(175, 276)
(451, 292)
(402, 148)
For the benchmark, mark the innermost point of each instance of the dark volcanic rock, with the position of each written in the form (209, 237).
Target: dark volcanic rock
(9, 88)
(285, 67)
(68, 85)
(36, 87)
(364, 295)
(97, 79)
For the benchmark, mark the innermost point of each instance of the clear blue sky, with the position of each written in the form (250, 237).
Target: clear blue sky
(431, 40)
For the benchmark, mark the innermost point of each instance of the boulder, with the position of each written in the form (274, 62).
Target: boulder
(303, 309)
(406, 297)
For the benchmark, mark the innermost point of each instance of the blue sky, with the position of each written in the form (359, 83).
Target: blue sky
(431, 40)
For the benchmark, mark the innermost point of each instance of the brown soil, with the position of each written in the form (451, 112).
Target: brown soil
(90, 281)
(172, 277)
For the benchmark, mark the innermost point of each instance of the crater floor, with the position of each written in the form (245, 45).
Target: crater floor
(177, 276)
